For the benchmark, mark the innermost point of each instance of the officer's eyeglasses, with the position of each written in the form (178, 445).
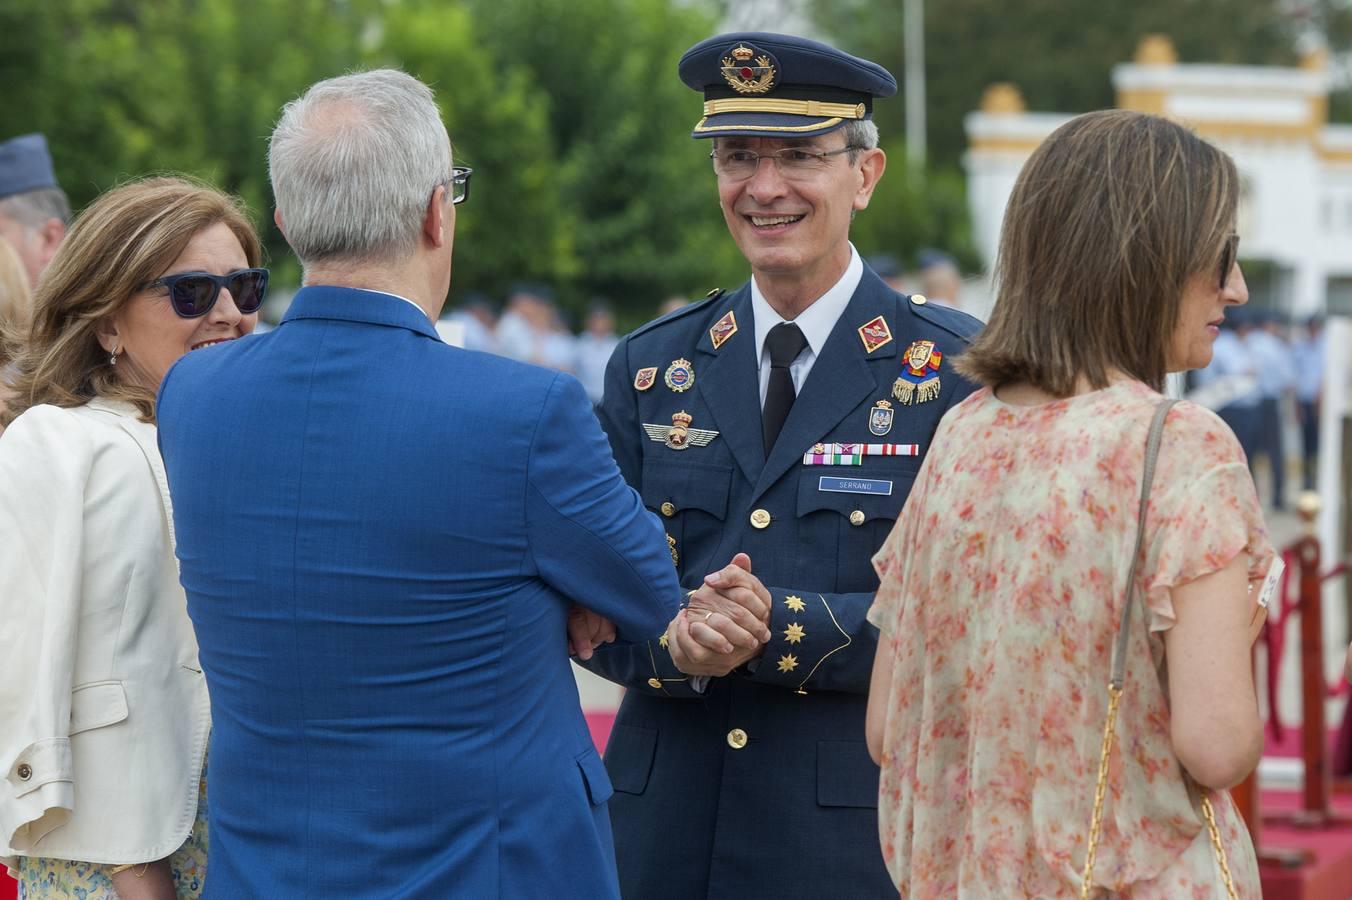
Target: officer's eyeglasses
(1229, 256)
(458, 184)
(792, 162)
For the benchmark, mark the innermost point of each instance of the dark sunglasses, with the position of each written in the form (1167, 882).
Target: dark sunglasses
(193, 294)
(1229, 256)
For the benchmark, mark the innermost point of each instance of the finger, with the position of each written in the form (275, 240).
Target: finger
(729, 599)
(731, 576)
(677, 632)
(579, 633)
(742, 561)
(745, 619)
(719, 626)
(755, 603)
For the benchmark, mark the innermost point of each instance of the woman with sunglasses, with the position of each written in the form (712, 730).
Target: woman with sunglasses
(1007, 579)
(103, 710)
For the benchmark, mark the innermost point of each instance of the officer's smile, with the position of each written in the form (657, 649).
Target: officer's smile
(766, 223)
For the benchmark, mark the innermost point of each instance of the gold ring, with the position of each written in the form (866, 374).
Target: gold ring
(707, 614)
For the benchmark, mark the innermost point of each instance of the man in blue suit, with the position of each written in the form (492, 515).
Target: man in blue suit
(777, 430)
(382, 538)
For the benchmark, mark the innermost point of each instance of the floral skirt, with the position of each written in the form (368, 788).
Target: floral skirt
(65, 879)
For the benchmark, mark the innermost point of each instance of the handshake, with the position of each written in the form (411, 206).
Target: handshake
(725, 624)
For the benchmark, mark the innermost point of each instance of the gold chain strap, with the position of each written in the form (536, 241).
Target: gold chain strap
(1120, 676)
(1100, 789)
(1215, 833)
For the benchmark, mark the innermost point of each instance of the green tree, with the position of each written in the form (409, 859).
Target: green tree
(515, 224)
(640, 190)
(1060, 53)
(907, 215)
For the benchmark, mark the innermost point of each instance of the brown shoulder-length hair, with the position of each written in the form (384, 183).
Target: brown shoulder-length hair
(123, 241)
(1110, 218)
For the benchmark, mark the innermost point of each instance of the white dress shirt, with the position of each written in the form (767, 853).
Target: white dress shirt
(816, 323)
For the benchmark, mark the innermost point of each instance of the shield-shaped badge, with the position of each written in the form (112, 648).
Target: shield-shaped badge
(880, 418)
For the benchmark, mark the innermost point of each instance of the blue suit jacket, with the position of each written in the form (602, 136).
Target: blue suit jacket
(380, 537)
(762, 786)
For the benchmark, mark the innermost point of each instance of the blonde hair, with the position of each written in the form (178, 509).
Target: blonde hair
(123, 241)
(1109, 219)
(15, 298)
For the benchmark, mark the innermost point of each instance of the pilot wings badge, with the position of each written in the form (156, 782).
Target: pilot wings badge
(679, 435)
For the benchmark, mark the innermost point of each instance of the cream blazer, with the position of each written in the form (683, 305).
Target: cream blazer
(103, 708)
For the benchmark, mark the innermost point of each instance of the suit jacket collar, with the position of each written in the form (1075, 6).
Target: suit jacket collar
(356, 305)
(728, 380)
(840, 380)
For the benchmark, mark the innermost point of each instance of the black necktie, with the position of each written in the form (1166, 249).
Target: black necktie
(785, 341)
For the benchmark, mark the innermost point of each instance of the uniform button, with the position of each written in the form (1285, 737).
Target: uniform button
(919, 299)
(737, 739)
(857, 517)
(26, 771)
(655, 683)
(760, 519)
(668, 509)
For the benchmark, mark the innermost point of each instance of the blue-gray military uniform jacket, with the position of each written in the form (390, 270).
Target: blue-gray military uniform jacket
(762, 786)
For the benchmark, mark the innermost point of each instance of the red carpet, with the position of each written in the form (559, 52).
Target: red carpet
(1328, 878)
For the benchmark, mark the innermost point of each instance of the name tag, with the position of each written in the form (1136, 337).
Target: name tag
(855, 486)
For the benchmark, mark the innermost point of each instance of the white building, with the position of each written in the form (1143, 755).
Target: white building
(1296, 207)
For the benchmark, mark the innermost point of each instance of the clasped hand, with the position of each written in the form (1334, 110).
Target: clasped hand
(725, 624)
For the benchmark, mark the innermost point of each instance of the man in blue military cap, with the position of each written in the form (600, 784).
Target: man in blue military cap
(777, 430)
(34, 210)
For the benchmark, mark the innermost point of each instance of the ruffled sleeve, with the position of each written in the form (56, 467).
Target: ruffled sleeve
(1204, 511)
(893, 560)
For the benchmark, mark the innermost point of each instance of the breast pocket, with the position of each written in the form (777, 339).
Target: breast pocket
(854, 507)
(691, 498)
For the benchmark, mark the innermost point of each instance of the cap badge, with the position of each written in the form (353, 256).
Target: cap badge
(919, 378)
(644, 378)
(679, 435)
(749, 71)
(875, 334)
(723, 329)
(880, 418)
(680, 375)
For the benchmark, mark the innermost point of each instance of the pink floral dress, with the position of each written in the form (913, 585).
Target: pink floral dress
(1002, 586)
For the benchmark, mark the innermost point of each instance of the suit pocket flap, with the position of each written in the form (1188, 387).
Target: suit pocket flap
(687, 485)
(875, 493)
(629, 757)
(97, 704)
(595, 777)
(846, 775)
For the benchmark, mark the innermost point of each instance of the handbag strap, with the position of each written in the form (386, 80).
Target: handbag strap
(1152, 455)
(1119, 672)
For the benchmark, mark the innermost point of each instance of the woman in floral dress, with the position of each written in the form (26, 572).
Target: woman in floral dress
(1004, 579)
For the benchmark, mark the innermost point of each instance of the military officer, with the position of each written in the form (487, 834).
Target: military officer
(776, 430)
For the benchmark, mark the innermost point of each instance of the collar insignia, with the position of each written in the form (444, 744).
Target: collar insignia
(723, 329)
(875, 334)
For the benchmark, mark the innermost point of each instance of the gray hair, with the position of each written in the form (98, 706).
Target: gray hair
(861, 134)
(32, 209)
(353, 163)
